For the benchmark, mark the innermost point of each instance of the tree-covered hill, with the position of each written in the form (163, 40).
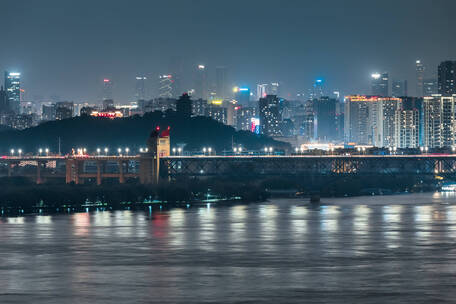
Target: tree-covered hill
(192, 133)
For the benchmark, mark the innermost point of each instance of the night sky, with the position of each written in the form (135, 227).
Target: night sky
(67, 47)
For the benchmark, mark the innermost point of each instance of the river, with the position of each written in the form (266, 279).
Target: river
(382, 249)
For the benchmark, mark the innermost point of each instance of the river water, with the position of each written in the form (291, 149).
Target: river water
(383, 249)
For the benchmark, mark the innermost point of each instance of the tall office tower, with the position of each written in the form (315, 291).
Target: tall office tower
(107, 89)
(447, 78)
(384, 126)
(419, 78)
(439, 121)
(242, 95)
(273, 89)
(399, 88)
(221, 82)
(176, 69)
(359, 115)
(407, 128)
(262, 90)
(317, 90)
(165, 86)
(4, 105)
(140, 88)
(430, 87)
(308, 122)
(380, 84)
(270, 115)
(201, 88)
(13, 91)
(184, 106)
(325, 110)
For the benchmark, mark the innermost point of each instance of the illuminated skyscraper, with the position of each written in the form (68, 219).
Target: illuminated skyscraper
(407, 128)
(357, 120)
(439, 121)
(13, 90)
(447, 78)
(270, 115)
(380, 84)
(221, 82)
(140, 93)
(107, 89)
(165, 86)
(242, 95)
(419, 78)
(318, 90)
(201, 89)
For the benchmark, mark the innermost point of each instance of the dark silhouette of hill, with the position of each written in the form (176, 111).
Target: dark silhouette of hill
(193, 133)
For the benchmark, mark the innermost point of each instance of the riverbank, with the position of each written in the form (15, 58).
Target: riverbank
(20, 196)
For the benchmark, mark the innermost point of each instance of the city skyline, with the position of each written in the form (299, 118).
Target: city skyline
(76, 50)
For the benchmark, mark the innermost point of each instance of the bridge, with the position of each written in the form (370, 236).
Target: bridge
(148, 168)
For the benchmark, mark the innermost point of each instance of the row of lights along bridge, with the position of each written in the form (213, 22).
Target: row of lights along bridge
(206, 151)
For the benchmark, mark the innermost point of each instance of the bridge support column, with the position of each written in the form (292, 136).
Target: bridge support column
(99, 173)
(38, 172)
(10, 170)
(121, 172)
(148, 169)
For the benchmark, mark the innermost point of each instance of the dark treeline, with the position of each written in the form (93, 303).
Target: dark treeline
(20, 193)
(91, 132)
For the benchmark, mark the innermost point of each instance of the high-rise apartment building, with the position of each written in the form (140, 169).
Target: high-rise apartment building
(244, 116)
(430, 87)
(447, 78)
(439, 121)
(357, 126)
(384, 121)
(269, 108)
(407, 128)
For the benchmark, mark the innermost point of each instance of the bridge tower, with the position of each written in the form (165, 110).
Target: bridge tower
(158, 145)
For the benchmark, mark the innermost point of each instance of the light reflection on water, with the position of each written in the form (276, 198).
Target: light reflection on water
(368, 249)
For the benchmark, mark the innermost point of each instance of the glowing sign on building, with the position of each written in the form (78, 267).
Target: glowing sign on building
(255, 125)
(112, 115)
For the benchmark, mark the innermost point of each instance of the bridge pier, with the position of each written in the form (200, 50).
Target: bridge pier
(99, 172)
(121, 172)
(38, 172)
